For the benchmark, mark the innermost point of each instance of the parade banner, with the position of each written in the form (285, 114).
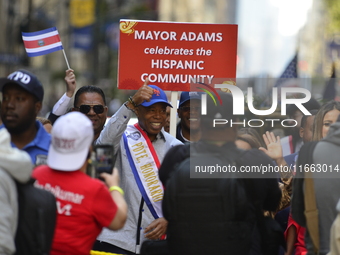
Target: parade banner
(82, 13)
(173, 55)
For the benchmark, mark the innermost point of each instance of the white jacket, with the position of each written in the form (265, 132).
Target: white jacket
(14, 165)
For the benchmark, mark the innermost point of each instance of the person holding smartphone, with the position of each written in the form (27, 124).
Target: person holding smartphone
(84, 205)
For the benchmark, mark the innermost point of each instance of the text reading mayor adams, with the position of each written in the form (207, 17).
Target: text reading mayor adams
(263, 170)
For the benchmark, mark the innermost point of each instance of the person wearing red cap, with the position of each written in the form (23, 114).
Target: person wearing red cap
(140, 149)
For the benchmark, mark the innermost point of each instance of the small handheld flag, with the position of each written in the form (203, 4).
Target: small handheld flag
(43, 42)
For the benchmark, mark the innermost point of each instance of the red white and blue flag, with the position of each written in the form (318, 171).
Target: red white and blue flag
(42, 42)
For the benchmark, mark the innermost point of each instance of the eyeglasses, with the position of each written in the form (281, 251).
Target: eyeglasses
(190, 108)
(84, 108)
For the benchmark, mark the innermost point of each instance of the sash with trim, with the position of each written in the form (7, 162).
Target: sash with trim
(144, 163)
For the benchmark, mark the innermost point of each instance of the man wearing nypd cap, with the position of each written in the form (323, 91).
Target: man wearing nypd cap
(22, 96)
(140, 149)
(189, 111)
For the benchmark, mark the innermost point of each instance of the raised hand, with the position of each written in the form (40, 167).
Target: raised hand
(144, 93)
(274, 149)
(71, 83)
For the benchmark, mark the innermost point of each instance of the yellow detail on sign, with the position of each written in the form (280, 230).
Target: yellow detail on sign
(82, 13)
(127, 27)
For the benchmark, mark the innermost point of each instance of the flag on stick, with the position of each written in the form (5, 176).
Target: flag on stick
(42, 42)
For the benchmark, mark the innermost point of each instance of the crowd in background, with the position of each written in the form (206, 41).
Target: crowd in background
(125, 208)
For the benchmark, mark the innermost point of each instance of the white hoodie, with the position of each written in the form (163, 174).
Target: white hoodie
(14, 165)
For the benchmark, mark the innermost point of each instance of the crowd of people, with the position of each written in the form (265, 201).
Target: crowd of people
(150, 203)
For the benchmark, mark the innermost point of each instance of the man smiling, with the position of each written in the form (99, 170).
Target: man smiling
(189, 111)
(90, 100)
(140, 149)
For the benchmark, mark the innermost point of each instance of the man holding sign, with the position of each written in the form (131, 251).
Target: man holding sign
(139, 148)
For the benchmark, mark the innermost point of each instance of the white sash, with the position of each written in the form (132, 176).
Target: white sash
(144, 164)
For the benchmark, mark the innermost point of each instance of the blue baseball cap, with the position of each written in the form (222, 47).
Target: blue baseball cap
(158, 96)
(26, 80)
(186, 96)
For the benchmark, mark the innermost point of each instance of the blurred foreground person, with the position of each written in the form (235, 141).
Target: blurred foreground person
(320, 187)
(84, 205)
(15, 165)
(219, 212)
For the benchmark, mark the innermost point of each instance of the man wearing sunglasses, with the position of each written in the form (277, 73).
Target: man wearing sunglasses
(90, 100)
(140, 149)
(189, 111)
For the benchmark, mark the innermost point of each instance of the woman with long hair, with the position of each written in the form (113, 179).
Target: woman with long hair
(326, 116)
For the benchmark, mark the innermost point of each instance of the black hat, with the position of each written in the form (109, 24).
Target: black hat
(27, 81)
(186, 96)
(216, 110)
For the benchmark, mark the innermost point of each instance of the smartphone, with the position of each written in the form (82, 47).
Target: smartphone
(103, 159)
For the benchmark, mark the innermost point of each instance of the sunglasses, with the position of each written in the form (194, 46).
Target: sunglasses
(84, 108)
